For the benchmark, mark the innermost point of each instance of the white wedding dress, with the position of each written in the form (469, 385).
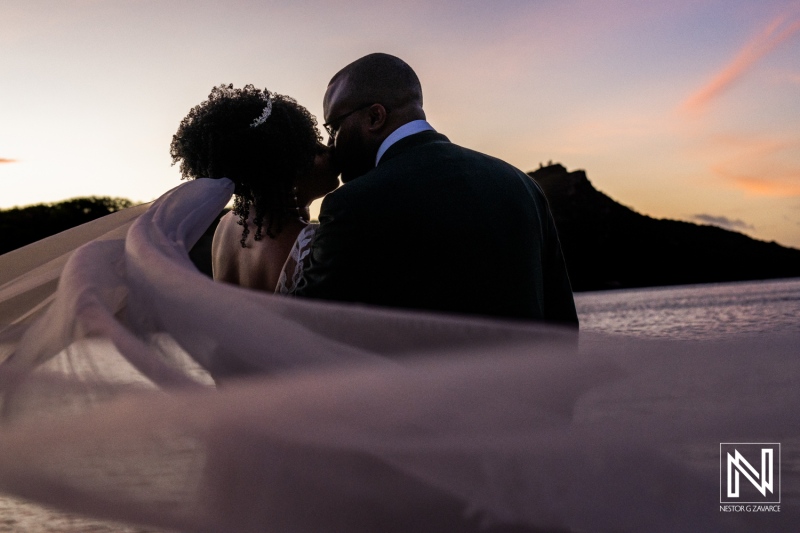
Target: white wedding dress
(342, 417)
(292, 274)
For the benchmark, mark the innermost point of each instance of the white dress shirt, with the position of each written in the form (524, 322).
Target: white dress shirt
(409, 128)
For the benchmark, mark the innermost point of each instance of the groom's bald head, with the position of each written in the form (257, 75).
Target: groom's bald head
(375, 78)
(365, 102)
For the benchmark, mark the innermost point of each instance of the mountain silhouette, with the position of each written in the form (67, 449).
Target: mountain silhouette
(608, 246)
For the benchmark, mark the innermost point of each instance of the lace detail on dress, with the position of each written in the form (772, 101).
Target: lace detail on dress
(292, 273)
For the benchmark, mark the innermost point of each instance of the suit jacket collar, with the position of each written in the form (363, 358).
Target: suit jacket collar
(412, 141)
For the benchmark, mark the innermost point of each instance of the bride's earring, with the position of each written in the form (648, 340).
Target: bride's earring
(296, 205)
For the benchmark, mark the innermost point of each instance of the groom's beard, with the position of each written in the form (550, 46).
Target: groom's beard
(353, 171)
(355, 159)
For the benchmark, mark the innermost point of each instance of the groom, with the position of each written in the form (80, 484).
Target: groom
(423, 223)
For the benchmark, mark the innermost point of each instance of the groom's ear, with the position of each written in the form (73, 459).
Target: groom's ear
(377, 117)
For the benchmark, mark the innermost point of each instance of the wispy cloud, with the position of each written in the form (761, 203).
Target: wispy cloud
(723, 222)
(755, 164)
(775, 33)
(781, 186)
(763, 173)
(6, 160)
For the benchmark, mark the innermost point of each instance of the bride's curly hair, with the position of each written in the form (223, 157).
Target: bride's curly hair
(218, 139)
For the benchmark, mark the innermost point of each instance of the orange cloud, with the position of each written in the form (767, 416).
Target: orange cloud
(770, 181)
(757, 165)
(778, 31)
(768, 187)
(6, 160)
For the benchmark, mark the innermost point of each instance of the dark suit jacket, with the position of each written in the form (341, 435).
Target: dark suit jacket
(437, 226)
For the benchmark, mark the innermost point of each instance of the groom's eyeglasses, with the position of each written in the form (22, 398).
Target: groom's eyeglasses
(332, 126)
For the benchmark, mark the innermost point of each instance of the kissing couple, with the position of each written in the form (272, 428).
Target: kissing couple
(418, 223)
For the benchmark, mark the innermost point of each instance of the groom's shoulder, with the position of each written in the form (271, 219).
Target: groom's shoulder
(485, 165)
(487, 160)
(420, 164)
(432, 150)
(461, 157)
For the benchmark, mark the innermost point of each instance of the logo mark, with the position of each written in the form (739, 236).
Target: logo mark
(750, 472)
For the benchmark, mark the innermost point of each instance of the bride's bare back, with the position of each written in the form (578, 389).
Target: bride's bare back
(259, 265)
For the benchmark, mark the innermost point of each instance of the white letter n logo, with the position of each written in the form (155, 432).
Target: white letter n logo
(737, 464)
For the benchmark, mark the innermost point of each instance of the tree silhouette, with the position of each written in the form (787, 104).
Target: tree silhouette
(23, 225)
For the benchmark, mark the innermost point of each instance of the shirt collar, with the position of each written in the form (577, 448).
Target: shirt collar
(409, 128)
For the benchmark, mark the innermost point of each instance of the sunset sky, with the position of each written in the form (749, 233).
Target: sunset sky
(688, 109)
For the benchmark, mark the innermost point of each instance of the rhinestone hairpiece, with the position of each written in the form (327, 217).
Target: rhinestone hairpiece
(267, 111)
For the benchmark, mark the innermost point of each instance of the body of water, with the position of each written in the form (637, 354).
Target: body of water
(694, 312)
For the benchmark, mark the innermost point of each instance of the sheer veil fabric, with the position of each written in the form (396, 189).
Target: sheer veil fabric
(136, 388)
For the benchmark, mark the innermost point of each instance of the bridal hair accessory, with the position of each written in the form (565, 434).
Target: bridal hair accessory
(264, 114)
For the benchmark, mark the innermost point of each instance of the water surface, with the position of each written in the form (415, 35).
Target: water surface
(694, 312)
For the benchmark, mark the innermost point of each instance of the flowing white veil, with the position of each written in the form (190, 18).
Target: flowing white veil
(341, 417)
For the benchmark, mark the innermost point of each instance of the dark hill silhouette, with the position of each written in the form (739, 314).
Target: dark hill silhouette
(607, 245)
(23, 225)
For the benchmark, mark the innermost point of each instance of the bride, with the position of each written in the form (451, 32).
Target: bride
(268, 145)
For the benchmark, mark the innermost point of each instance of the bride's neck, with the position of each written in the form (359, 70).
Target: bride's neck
(295, 215)
(295, 219)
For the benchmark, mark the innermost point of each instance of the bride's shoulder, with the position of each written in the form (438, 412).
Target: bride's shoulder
(229, 224)
(228, 219)
(227, 228)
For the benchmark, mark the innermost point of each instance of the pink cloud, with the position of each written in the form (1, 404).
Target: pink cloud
(760, 186)
(756, 165)
(761, 177)
(779, 30)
